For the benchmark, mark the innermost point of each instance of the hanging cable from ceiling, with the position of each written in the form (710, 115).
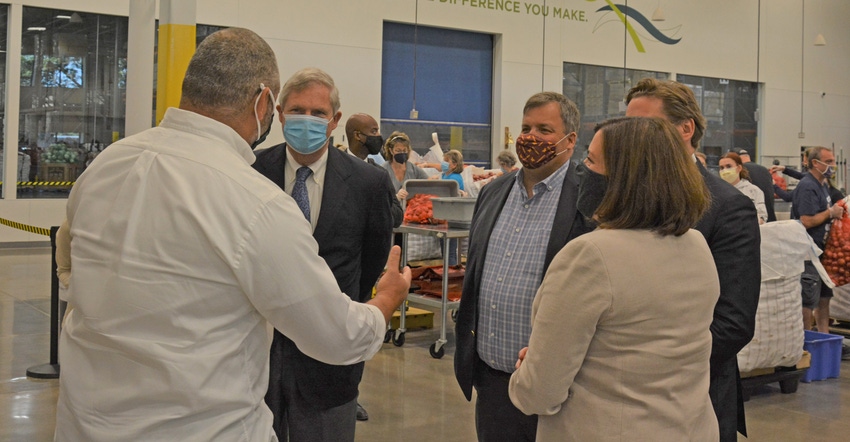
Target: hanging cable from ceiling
(414, 114)
(543, 56)
(802, 63)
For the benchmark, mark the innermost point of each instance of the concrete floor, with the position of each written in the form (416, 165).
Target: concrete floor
(409, 395)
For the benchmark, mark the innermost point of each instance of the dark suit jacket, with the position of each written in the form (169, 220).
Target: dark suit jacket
(731, 230)
(760, 176)
(353, 231)
(568, 224)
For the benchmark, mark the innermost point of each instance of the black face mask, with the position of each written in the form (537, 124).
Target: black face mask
(400, 158)
(591, 189)
(374, 143)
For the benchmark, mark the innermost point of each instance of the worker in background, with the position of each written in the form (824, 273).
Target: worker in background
(761, 177)
(812, 204)
(365, 142)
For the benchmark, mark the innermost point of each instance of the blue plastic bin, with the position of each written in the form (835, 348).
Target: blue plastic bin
(826, 356)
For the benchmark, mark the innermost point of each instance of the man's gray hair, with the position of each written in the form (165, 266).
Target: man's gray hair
(305, 78)
(569, 111)
(814, 153)
(225, 73)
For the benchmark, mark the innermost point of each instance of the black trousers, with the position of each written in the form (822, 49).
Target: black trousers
(496, 417)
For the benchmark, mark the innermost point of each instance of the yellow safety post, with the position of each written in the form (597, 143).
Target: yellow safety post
(176, 46)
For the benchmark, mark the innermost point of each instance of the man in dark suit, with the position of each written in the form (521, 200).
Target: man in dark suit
(364, 139)
(348, 205)
(731, 230)
(521, 220)
(760, 176)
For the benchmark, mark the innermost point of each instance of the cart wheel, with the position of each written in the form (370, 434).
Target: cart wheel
(436, 354)
(454, 315)
(389, 336)
(398, 339)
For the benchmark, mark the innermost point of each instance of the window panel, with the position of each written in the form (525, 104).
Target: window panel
(598, 92)
(453, 88)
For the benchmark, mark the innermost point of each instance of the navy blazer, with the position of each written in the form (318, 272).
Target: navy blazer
(730, 228)
(354, 232)
(567, 224)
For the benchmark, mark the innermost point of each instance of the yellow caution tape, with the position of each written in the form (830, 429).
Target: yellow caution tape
(44, 183)
(26, 228)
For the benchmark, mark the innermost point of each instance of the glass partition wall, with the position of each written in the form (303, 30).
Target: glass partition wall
(729, 106)
(72, 99)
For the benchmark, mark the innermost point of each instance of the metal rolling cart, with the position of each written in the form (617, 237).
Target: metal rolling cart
(440, 231)
(437, 188)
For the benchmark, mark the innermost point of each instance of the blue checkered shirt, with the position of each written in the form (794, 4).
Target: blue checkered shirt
(513, 270)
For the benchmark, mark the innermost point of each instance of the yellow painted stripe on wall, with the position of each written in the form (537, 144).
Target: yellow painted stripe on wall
(176, 47)
(456, 138)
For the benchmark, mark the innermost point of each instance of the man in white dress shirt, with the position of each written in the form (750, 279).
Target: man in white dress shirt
(183, 255)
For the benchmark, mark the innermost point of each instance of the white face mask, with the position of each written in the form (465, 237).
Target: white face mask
(830, 170)
(261, 136)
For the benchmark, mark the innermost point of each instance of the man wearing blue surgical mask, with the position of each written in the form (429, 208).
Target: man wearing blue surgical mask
(347, 202)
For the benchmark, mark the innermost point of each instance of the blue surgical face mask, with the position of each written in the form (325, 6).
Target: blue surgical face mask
(444, 166)
(305, 134)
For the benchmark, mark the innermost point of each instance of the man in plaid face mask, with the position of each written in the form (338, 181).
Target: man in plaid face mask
(521, 221)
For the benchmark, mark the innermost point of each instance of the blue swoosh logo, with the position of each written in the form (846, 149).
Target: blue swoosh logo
(643, 21)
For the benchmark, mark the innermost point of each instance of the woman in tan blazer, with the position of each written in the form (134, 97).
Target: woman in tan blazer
(620, 340)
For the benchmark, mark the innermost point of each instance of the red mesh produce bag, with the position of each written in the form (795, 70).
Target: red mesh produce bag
(420, 210)
(836, 254)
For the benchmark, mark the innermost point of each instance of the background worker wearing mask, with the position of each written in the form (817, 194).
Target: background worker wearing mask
(365, 142)
(812, 205)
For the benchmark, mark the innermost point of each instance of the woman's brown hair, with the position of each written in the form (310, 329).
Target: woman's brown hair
(653, 183)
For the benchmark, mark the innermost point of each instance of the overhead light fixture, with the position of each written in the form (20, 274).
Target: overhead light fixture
(820, 41)
(36, 28)
(658, 15)
(63, 17)
(75, 18)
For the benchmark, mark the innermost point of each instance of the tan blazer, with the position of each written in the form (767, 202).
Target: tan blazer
(620, 340)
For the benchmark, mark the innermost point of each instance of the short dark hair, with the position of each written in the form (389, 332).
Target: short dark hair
(653, 183)
(225, 73)
(569, 112)
(680, 103)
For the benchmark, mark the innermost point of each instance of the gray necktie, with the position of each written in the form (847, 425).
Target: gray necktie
(299, 192)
